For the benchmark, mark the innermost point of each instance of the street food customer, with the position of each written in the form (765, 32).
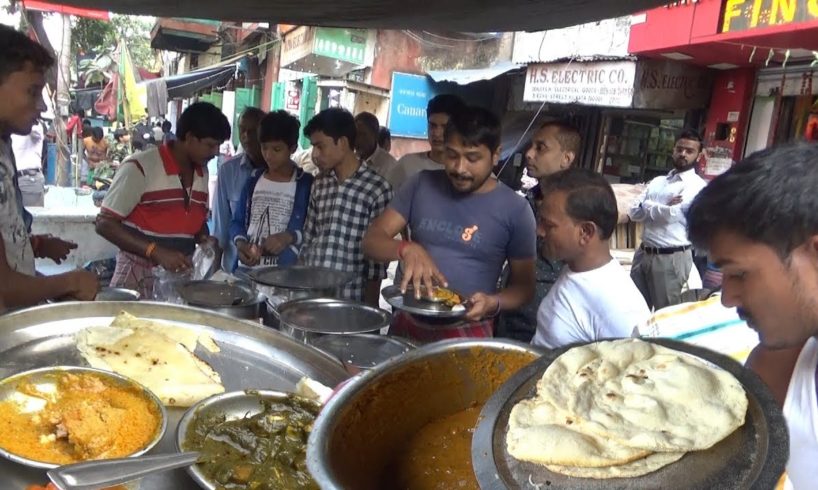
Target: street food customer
(594, 298)
(22, 77)
(759, 222)
(346, 197)
(156, 208)
(465, 226)
(269, 218)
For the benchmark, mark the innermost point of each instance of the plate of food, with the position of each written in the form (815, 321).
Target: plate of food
(439, 303)
(631, 414)
(65, 414)
(250, 439)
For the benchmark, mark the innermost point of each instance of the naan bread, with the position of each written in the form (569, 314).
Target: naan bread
(633, 469)
(162, 364)
(185, 336)
(645, 396)
(539, 433)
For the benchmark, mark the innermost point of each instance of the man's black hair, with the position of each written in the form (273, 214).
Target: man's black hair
(384, 136)
(203, 120)
(589, 197)
(370, 121)
(119, 134)
(477, 126)
(567, 135)
(251, 111)
(334, 122)
(18, 50)
(445, 104)
(693, 135)
(769, 197)
(166, 126)
(279, 126)
(97, 132)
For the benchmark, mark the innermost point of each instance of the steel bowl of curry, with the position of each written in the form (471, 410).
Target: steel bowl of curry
(61, 415)
(408, 423)
(249, 440)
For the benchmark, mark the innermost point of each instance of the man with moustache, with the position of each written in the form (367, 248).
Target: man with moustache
(465, 226)
(554, 147)
(759, 223)
(662, 265)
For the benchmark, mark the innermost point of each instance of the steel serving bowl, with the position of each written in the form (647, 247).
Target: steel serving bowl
(360, 430)
(234, 405)
(47, 376)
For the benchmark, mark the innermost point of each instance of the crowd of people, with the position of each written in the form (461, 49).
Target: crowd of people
(537, 268)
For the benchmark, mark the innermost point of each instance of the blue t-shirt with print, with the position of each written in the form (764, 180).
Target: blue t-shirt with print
(469, 236)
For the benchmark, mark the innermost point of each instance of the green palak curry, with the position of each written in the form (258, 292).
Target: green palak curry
(265, 451)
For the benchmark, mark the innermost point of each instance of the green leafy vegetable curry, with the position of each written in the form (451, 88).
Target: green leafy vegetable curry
(265, 451)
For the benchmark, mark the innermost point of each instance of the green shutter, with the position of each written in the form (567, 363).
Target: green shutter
(309, 97)
(279, 95)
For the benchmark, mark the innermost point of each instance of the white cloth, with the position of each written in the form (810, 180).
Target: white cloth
(28, 149)
(666, 226)
(409, 165)
(801, 414)
(270, 211)
(587, 306)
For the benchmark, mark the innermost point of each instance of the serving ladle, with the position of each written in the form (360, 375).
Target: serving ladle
(99, 474)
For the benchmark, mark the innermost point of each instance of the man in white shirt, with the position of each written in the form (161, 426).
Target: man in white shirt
(664, 262)
(367, 148)
(438, 112)
(593, 298)
(28, 152)
(759, 223)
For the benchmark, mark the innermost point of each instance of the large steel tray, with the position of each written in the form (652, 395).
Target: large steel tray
(252, 357)
(753, 457)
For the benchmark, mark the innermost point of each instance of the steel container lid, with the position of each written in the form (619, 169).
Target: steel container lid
(332, 316)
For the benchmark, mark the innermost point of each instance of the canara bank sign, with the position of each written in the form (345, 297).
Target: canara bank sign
(741, 15)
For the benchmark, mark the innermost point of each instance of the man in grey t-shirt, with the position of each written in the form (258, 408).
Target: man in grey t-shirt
(465, 226)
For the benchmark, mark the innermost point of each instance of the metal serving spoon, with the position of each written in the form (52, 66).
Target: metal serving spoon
(95, 475)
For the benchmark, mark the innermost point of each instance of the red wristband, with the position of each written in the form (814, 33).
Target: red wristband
(402, 247)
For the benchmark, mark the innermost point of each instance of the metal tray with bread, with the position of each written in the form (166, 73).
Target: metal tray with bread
(240, 355)
(752, 456)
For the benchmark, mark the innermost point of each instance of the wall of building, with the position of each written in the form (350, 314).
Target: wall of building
(729, 112)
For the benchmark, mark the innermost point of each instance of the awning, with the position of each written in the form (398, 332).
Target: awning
(465, 77)
(187, 84)
(445, 15)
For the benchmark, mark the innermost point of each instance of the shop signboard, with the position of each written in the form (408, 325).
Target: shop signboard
(342, 44)
(407, 107)
(297, 44)
(742, 15)
(607, 84)
(671, 85)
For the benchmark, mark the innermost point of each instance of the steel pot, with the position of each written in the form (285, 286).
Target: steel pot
(237, 299)
(308, 319)
(362, 429)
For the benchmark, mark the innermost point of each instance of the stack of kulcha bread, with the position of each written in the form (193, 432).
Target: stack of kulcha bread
(624, 408)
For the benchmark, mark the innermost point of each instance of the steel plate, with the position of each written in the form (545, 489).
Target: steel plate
(362, 351)
(234, 405)
(425, 308)
(251, 357)
(216, 294)
(753, 457)
(300, 277)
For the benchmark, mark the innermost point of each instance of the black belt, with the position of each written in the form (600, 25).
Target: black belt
(665, 251)
(29, 172)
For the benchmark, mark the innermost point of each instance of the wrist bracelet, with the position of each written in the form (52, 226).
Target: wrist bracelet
(150, 249)
(499, 307)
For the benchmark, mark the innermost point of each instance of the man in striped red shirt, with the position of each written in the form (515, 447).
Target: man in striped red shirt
(156, 208)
